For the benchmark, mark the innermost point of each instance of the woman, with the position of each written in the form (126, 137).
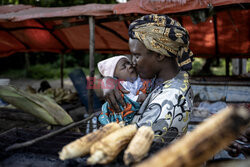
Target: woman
(159, 46)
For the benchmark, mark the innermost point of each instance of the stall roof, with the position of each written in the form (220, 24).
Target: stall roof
(24, 28)
(25, 12)
(170, 6)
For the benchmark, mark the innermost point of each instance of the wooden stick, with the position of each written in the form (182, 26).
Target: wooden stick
(91, 61)
(30, 142)
(61, 69)
(91, 65)
(205, 141)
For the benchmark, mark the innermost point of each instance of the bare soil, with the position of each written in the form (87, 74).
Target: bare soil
(22, 83)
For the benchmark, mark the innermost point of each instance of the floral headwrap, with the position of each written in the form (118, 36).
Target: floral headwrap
(164, 35)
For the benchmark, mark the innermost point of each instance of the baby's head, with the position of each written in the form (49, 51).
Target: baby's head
(119, 67)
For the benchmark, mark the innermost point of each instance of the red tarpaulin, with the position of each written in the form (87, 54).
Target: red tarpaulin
(24, 28)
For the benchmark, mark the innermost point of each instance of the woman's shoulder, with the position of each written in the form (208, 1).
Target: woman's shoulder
(173, 93)
(180, 83)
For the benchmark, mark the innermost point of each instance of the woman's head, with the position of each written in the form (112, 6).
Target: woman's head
(163, 36)
(143, 59)
(148, 63)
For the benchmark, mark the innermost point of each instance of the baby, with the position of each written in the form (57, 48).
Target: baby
(119, 67)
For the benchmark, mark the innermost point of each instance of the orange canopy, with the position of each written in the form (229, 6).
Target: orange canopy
(24, 28)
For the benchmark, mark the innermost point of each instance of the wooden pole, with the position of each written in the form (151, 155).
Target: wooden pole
(240, 66)
(91, 61)
(27, 63)
(61, 69)
(227, 66)
(216, 39)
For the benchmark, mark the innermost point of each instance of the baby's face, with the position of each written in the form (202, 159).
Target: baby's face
(125, 71)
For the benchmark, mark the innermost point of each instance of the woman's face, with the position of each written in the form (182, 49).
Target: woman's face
(143, 59)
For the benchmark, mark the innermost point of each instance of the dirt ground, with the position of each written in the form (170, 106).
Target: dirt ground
(22, 83)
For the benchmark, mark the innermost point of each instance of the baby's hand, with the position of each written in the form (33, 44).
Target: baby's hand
(141, 97)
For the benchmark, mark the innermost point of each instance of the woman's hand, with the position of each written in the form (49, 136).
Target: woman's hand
(241, 145)
(112, 93)
(141, 98)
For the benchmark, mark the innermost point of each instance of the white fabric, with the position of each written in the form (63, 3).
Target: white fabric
(132, 87)
(107, 67)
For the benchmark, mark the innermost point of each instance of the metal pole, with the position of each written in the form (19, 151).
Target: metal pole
(91, 61)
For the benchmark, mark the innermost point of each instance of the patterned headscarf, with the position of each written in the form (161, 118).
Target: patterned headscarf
(164, 35)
